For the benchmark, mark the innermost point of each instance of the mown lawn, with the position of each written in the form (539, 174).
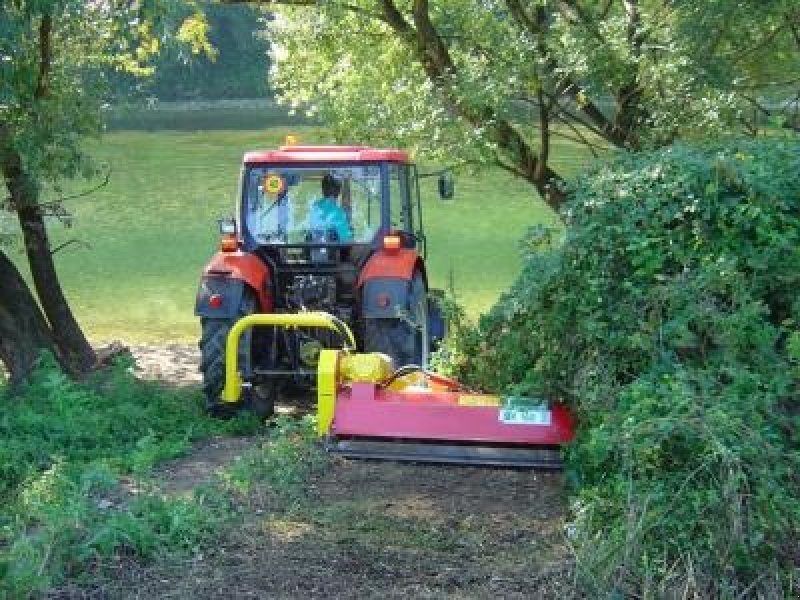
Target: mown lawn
(152, 228)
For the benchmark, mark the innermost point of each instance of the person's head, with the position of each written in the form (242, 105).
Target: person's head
(331, 186)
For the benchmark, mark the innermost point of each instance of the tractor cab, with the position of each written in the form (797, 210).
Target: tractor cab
(328, 198)
(317, 214)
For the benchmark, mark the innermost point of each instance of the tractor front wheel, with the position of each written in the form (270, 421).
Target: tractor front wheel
(406, 337)
(259, 399)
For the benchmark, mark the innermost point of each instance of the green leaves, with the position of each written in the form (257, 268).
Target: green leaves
(55, 58)
(627, 74)
(667, 320)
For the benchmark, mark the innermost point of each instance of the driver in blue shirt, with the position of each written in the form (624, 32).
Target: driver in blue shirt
(326, 214)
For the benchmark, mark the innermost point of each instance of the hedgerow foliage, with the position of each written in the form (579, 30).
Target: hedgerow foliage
(669, 320)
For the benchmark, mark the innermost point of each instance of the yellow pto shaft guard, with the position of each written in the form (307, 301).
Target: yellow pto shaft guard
(233, 380)
(336, 366)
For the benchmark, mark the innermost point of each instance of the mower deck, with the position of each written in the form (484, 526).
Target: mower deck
(420, 425)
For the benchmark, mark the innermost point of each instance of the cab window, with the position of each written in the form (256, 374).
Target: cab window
(289, 205)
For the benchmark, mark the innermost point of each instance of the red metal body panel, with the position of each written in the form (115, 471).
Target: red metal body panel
(244, 266)
(367, 411)
(397, 263)
(325, 154)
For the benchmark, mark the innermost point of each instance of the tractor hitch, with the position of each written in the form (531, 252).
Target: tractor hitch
(234, 383)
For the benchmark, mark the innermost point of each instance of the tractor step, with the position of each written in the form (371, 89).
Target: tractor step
(433, 452)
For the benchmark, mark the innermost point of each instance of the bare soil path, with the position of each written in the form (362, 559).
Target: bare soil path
(363, 530)
(174, 363)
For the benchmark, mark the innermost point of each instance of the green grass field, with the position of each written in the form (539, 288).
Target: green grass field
(152, 229)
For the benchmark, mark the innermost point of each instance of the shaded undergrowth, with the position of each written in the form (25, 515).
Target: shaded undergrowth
(76, 461)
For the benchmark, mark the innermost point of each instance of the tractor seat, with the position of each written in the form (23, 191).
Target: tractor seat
(353, 260)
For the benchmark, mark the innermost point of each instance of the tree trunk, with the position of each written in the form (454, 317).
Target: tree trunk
(76, 355)
(24, 333)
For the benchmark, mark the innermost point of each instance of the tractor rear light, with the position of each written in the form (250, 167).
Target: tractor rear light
(392, 243)
(383, 300)
(215, 301)
(229, 243)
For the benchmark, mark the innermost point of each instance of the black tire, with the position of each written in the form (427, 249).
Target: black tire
(405, 339)
(259, 399)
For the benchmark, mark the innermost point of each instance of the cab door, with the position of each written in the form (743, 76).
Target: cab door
(403, 191)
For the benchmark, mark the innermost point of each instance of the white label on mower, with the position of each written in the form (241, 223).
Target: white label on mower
(534, 415)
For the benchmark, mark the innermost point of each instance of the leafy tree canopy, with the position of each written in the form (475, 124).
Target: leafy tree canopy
(490, 81)
(234, 63)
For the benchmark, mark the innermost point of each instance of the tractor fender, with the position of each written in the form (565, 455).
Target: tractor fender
(228, 289)
(397, 264)
(226, 275)
(384, 282)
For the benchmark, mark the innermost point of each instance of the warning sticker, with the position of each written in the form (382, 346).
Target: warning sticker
(478, 400)
(274, 184)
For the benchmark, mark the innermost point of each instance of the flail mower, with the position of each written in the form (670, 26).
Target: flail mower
(320, 282)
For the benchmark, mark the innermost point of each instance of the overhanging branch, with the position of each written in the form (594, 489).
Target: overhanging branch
(45, 56)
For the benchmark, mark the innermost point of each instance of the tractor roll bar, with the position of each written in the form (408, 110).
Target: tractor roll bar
(233, 380)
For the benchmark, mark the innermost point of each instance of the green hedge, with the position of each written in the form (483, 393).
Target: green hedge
(669, 320)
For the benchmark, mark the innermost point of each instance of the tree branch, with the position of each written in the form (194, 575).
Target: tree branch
(544, 134)
(442, 72)
(86, 192)
(309, 3)
(568, 85)
(45, 56)
(633, 26)
(60, 247)
(510, 168)
(560, 109)
(581, 138)
(430, 49)
(396, 21)
(593, 148)
(574, 13)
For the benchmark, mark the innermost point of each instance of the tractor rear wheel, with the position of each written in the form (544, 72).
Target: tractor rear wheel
(406, 338)
(259, 399)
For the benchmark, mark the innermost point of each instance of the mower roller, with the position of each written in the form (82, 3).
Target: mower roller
(368, 409)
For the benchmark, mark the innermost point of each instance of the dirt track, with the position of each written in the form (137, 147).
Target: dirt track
(175, 363)
(365, 530)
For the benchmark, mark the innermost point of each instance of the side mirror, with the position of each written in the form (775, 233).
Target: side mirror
(446, 185)
(227, 225)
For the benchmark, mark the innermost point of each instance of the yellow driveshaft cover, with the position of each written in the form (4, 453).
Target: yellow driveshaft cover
(372, 367)
(337, 366)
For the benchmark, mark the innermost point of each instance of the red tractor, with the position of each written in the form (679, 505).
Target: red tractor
(330, 228)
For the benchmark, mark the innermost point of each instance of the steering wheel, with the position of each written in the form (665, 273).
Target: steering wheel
(279, 235)
(321, 236)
